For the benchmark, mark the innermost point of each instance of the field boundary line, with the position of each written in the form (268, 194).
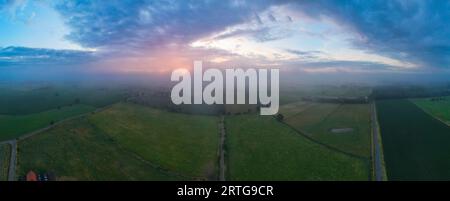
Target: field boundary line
(302, 133)
(155, 166)
(435, 117)
(325, 117)
(307, 106)
(14, 142)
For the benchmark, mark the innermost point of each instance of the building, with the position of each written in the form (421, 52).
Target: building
(31, 176)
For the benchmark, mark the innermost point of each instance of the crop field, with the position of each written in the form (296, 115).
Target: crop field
(438, 107)
(182, 143)
(415, 144)
(293, 93)
(12, 126)
(311, 116)
(346, 128)
(294, 108)
(342, 126)
(78, 150)
(28, 100)
(5, 150)
(261, 148)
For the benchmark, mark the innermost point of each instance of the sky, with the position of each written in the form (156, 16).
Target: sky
(149, 36)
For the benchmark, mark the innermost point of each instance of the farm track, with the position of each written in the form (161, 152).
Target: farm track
(222, 165)
(377, 160)
(307, 136)
(307, 106)
(13, 142)
(12, 160)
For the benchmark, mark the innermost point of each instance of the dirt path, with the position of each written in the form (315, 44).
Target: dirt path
(12, 160)
(13, 142)
(222, 165)
(308, 137)
(25, 136)
(376, 151)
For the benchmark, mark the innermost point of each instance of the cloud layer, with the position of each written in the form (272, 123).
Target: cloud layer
(151, 24)
(412, 30)
(36, 56)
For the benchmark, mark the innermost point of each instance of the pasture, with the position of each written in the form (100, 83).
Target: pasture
(290, 92)
(308, 118)
(78, 150)
(12, 126)
(342, 126)
(346, 128)
(261, 148)
(182, 143)
(29, 99)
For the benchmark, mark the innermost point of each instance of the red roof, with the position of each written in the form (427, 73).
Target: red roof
(31, 176)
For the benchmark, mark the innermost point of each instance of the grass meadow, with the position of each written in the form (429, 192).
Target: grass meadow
(261, 148)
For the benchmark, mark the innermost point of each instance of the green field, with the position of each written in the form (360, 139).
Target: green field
(322, 120)
(78, 150)
(261, 148)
(355, 117)
(29, 99)
(12, 126)
(439, 108)
(5, 150)
(179, 142)
(311, 116)
(294, 92)
(126, 142)
(416, 145)
(292, 109)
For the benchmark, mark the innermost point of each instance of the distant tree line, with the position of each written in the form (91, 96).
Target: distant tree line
(399, 92)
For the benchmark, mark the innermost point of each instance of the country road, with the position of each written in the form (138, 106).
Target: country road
(12, 160)
(222, 165)
(13, 142)
(378, 168)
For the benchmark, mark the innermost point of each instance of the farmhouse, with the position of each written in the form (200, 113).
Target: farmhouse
(31, 176)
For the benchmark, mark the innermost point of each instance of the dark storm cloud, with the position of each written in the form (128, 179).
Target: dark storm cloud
(410, 30)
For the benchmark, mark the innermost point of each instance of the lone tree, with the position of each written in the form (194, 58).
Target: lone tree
(279, 117)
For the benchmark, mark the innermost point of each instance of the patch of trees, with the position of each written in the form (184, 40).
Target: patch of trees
(279, 117)
(340, 100)
(400, 92)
